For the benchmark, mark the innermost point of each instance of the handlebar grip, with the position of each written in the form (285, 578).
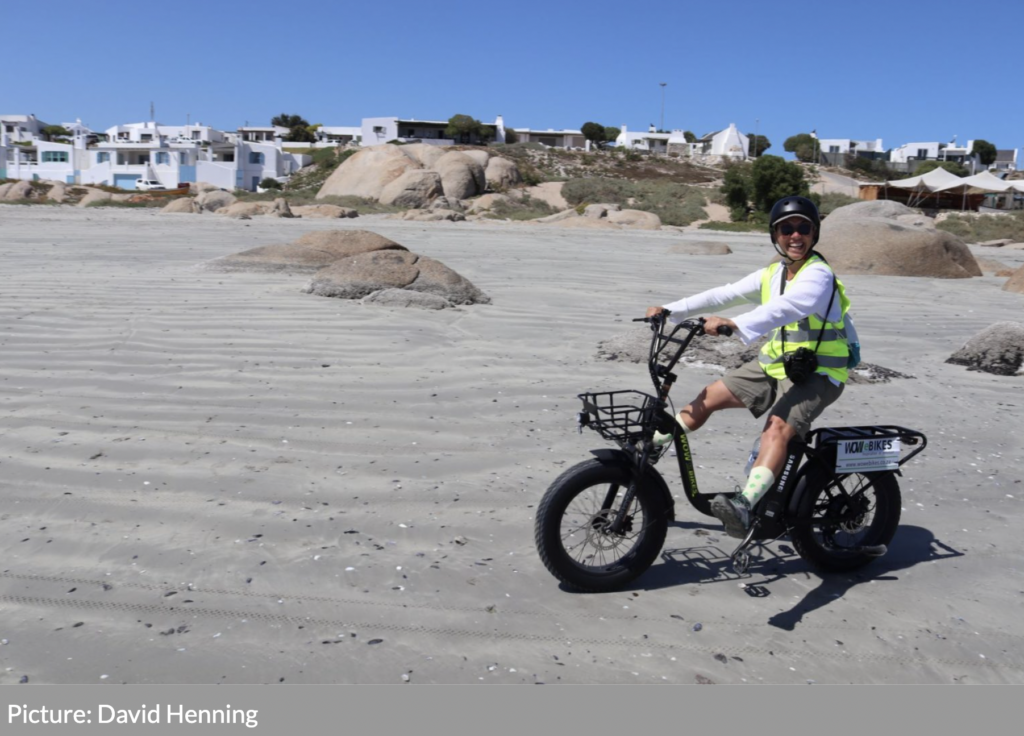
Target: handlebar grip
(725, 330)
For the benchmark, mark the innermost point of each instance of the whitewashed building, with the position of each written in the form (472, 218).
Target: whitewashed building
(651, 141)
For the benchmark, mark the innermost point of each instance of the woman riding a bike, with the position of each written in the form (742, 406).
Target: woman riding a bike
(801, 369)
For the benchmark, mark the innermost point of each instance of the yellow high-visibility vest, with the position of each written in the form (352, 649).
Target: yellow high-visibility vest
(833, 352)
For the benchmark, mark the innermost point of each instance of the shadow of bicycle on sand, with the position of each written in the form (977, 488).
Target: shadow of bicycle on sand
(701, 565)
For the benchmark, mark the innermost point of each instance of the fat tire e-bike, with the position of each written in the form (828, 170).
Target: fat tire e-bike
(603, 522)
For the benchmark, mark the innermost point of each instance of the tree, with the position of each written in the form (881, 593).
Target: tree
(771, 179)
(59, 131)
(951, 166)
(463, 128)
(803, 145)
(735, 187)
(594, 132)
(298, 127)
(758, 145)
(756, 187)
(986, 152)
(689, 136)
(611, 133)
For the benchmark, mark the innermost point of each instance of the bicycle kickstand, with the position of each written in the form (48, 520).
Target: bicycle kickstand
(741, 557)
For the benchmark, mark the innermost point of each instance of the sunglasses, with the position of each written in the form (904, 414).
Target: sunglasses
(804, 228)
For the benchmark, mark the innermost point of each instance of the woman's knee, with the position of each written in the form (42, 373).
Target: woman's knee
(777, 429)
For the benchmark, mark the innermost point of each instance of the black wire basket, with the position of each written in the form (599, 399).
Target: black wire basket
(619, 416)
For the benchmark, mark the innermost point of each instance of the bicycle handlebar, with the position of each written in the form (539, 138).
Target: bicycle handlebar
(724, 330)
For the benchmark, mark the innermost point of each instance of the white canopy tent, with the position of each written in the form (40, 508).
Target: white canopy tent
(941, 180)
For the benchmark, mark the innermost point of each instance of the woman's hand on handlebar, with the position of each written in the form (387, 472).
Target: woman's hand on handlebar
(719, 326)
(654, 312)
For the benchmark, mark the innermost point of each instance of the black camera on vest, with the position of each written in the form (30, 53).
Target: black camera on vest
(800, 364)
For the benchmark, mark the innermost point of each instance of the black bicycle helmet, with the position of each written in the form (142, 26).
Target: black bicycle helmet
(794, 207)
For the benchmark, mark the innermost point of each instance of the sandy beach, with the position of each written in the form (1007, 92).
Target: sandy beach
(212, 477)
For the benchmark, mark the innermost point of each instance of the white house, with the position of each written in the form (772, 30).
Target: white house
(1006, 160)
(728, 143)
(22, 128)
(551, 137)
(652, 140)
(848, 145)
(262, 134)
(916, 151)
(374, 131)
(339, 135)
(933, 150)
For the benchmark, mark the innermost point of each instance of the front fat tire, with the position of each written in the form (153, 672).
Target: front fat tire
(568, 541)
(823, 546)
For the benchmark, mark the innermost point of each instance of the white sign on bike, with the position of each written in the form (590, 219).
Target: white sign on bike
(869, 455)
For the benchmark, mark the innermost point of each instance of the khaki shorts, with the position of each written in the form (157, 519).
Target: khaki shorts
(798, 404)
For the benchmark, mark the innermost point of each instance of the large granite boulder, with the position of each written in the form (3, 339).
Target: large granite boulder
(998, 349)
(461, 176)
(487, 202)
(215, 199)
(310, 252)
(883, 208)
(361, 275)
(424, 153)
(244, 210)
(702, 248)
(324, 210)
(431, 215)
(598, 210)
(17, 191)
(415, 188)
(1016, 282)
(634, 219)
(883, 246)
(501, 173)
(367, 173)
(94, 195)
(58, 192)
(481, 157)
(185, 205)
(407, 298)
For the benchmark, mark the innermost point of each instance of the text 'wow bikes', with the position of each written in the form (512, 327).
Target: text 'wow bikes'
(603, 522)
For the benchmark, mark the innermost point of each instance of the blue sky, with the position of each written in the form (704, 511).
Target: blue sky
(900, 70)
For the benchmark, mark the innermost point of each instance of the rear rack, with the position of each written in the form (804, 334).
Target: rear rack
(619, 416)
(834, 435)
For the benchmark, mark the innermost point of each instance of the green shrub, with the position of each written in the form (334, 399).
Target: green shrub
(526, 208)
(269, 183)
(832, 201)
(980, 228)
(735, 227)
(674, 203)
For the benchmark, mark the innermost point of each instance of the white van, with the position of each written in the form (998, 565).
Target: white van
(148, 185)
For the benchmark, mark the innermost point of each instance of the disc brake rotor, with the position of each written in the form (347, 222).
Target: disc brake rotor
(598, 534)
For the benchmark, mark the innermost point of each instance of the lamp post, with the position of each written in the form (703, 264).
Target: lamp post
(662, 126)
(757, 127)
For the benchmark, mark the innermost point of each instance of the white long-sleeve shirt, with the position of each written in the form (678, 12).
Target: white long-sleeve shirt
(806, 295)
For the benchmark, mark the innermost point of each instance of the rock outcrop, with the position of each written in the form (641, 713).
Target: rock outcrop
(461, 176)
(702, 248)
(998, 349)
(367, 173)
(501, 173)
(361, 275)
(214, 199)
(415, 188)
(324, 210)
(1016, 282)
(878, 244)
(310, 252)
(183, 205)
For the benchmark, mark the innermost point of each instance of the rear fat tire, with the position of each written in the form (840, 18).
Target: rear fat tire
(567, 531)
(823, 546)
